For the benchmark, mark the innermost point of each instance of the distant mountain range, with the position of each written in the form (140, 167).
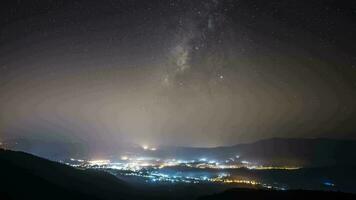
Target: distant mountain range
(275, 151)
(278, 151)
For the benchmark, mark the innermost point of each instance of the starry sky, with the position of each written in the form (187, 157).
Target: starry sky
(177, 72)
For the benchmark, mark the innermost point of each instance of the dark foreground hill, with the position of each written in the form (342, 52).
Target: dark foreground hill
(24, 176)
(277, 195)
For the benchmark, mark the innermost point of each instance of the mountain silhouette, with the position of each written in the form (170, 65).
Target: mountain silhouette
(25, 176)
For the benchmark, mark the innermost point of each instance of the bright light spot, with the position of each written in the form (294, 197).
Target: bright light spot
(99, 162)
(329, 184)
(146, 147)
(124, 158)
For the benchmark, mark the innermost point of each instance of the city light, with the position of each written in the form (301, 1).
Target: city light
(160, 170)
(98, 162)
(148, 148)
(124, 158)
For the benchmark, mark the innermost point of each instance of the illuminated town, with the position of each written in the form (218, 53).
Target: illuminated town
(173, 170)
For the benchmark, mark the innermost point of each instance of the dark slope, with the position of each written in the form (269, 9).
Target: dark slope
(24, 176)
(277, 195)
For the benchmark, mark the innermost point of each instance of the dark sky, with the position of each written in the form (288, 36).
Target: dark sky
(201, 73)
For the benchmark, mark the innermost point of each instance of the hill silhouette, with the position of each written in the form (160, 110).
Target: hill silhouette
(25, 176)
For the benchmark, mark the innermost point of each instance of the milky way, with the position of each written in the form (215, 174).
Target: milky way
(199, 73)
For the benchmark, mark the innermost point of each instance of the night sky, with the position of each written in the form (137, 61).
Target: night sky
(180, 72)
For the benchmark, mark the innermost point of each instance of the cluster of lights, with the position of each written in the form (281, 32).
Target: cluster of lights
(98, 162)
(3, 145)
(150, 168)
(261, 167)
(223, 178)
(138, 163)
(78, 160)
(148, 148)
